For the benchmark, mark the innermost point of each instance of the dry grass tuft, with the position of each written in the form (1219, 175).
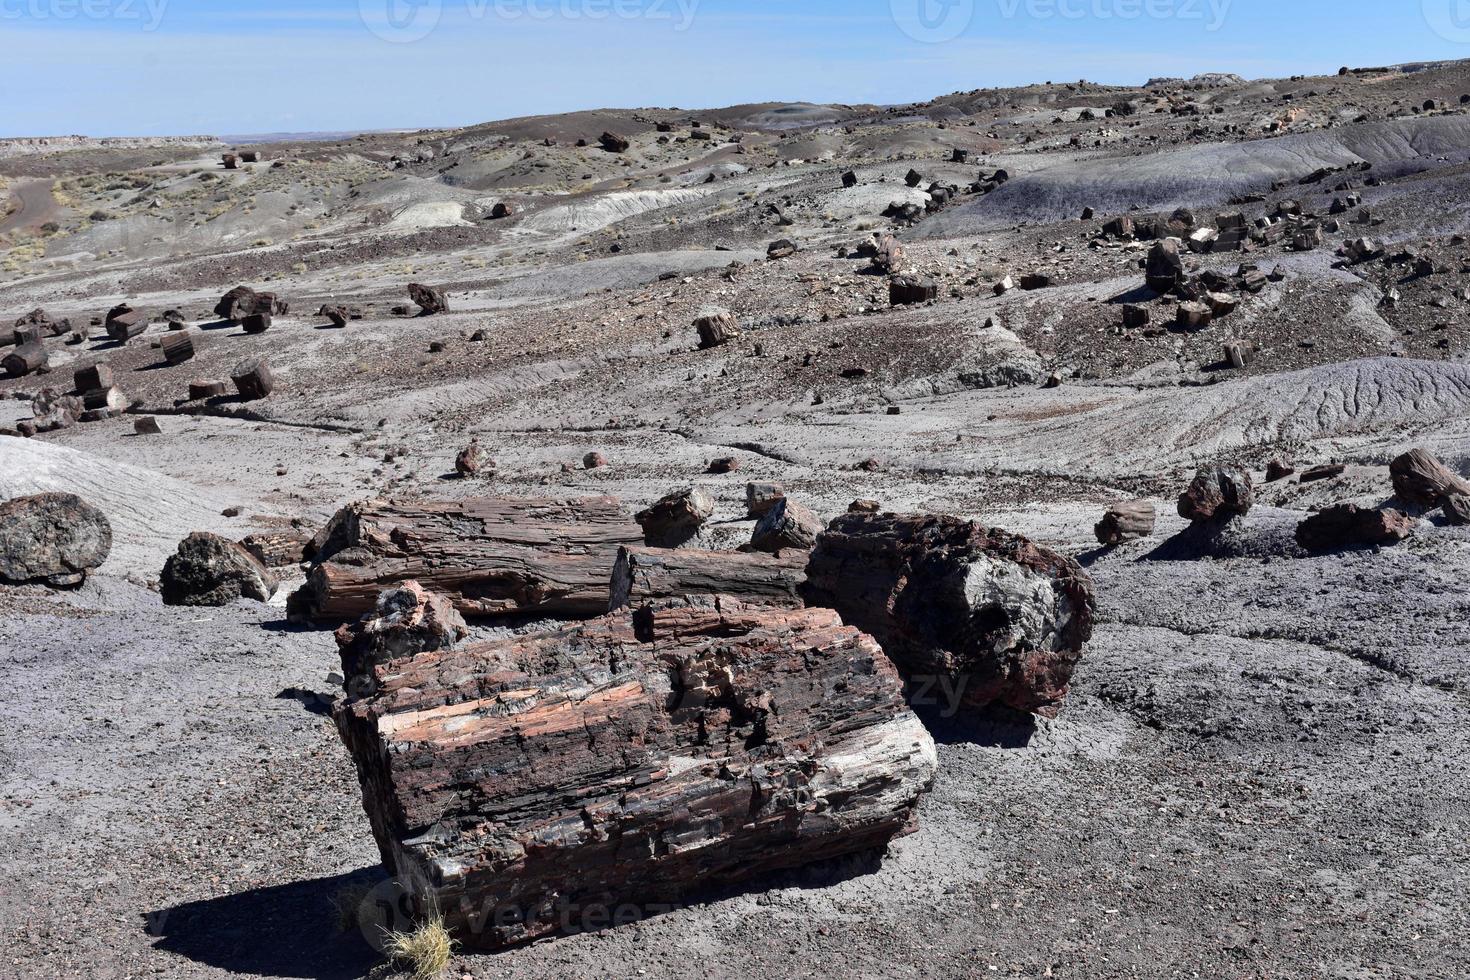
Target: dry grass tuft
(425, 951)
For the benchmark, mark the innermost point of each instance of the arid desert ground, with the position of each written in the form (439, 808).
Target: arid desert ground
(1261, 768)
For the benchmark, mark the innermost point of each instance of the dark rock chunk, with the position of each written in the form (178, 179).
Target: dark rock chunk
(209, 570)
(52, 538)
(1349, 526)
(1217, 494)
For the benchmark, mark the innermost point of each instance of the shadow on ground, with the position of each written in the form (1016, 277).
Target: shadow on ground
(282, 931)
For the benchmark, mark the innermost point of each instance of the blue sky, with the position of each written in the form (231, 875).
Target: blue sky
(157, 67)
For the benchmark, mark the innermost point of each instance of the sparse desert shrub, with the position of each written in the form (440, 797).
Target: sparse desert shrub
(424, 952)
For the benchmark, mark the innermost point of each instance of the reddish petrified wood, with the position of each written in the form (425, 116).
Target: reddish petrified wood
(1347, 526)
(1001, 619)
(645, 575)
(535, 784)
(490, 556)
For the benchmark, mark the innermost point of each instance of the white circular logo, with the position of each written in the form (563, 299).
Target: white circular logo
(401, 21)
(386, 909)
(1450, 19)
(932, 21)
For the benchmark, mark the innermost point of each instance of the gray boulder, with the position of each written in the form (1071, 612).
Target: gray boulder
(209, 570)
(53, 539)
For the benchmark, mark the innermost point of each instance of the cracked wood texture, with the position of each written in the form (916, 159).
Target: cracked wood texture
(644, 575)
(1000, 619)
(533, 785)
(490, 556)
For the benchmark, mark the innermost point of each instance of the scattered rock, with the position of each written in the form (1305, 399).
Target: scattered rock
(787, 524)
(1124, 522)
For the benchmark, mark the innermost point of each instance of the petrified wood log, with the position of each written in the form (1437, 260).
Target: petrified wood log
(1347, 526)
(786, 525)
(1127, 521)
(490, 556)
(429, 299)
(1421, 480)
(24, 360)
(537, 784)
(716, 329)
(124, 323)
(253, 378)
(177, 348)
(278, 549)
(92, 377)
(646, 575)
(994, 616)
(676, 518)
(1217, 494)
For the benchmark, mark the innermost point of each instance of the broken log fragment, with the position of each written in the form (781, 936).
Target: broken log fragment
(676, 519)
(761, 497)
(1217, 494)
(1347, 526)
(529, 785)
(177, 348)
(253, 378)
(278, 549)
(124, 323)
(996, 618)
(24, 360)
(716, 329)
(429, 299)
(200, 390)
(406, 621)
(1421, 480)
(1123, 522)
(105, 400)
(644, 576)
(92, 377)
(490, 556)
(256, 323)
(787, 525)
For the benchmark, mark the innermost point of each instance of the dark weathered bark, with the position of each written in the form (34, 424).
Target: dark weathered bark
(645, 575)
(490, 556)
(995, 617)
(533, 785)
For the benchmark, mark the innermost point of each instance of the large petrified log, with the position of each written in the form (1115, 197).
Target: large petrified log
(541, 783)
(642, 576)
(1421, 480)
(994, 617)
(490, 556)
(1346, 526)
